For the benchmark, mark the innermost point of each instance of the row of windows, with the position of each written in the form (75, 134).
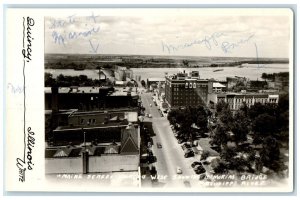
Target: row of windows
(175, 97)
(261, 100)
(199, 93)
(89, 121)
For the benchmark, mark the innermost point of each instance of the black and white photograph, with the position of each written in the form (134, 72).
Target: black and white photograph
(165, 100)
(192, 100)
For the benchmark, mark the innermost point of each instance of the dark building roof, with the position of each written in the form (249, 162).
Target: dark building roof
(129, 140)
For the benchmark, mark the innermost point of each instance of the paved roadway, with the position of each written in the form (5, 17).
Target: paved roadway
(171, 154)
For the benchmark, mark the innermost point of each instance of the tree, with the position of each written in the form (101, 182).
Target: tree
(185, 63)
(220, 106)
(219, 136)
(270, 154)
(263, 126)
(220, 168)
(129, 84)
(143, 83)
(240, 127)
(228, 153)
(49, 80)
(200, 118)
(226, 117)
(204, 155)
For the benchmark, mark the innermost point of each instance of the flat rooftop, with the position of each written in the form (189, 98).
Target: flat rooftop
(250, 94)
(91, 90)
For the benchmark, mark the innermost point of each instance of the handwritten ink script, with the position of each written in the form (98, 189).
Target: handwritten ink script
(27, 38)
(15, 89)
(227, 47)
(26, 162)
(87, 28)
(217, 39)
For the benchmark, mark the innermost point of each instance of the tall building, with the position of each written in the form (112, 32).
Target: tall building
(184, 89)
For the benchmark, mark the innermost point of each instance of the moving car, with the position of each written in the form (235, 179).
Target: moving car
(178, 170)
(159, 145)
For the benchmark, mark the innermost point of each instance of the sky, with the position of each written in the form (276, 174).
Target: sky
(179, 32)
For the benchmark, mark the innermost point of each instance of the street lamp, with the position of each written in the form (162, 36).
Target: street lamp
(84, 143)
(141, 119)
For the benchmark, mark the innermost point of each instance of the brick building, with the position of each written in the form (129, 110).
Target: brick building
(184, 89)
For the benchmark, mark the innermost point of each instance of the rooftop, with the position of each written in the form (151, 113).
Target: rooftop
(247, 94)
(76, 151)
(91, 90)
(156, 79)
(219, 85)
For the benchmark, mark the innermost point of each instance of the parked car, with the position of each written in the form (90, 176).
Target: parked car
(185, 146)
(202, 176)
(180, 140)
(178, 170)
(195, 163)
(205, 162)
(199, 169)
(159, 145)
(150, 116)
(188, 153)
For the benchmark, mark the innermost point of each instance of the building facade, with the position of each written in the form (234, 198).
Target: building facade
(89, 98)
(93, 142)
(185, 89)
(236, 100)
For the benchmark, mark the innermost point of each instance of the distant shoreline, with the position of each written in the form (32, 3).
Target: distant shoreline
(92, 61)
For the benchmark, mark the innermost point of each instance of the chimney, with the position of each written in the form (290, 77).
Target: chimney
(54, 104)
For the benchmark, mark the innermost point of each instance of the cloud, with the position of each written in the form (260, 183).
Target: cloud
(129, 34)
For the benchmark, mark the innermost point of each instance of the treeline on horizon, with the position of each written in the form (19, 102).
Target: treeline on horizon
(89, 62)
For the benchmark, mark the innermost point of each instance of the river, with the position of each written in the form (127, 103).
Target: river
(252, 71)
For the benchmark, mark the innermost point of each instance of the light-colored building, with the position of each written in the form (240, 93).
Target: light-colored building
(218, 87)
(236, 100)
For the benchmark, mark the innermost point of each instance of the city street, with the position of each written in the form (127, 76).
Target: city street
(171, 155)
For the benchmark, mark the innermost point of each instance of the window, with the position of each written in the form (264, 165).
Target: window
(194, 85)
(93, 121)
(81, 121)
